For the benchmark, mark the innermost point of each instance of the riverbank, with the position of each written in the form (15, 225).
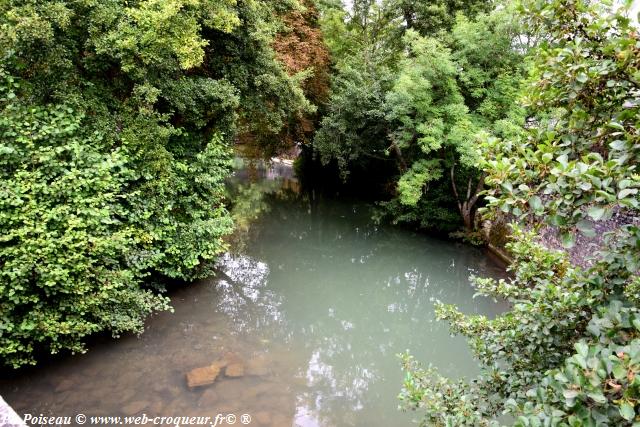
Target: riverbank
(581, 254)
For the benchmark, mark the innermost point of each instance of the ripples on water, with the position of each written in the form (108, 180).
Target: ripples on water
(314, 302)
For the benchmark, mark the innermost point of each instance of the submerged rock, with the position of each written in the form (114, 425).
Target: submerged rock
(206, 375)
(234, 370)
(203, 376)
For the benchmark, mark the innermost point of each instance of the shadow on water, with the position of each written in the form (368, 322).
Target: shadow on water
(313, 303)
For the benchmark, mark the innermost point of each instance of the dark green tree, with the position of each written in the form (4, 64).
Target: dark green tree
(429, 18)
(420, 102)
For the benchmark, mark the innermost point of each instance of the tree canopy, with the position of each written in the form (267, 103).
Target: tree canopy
(414, 84)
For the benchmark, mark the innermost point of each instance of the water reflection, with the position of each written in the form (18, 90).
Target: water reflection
(344, 296)
(313, 303)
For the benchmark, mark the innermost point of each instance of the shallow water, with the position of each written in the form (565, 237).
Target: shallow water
(314, 304)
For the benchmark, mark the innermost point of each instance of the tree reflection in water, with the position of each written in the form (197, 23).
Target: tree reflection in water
(310, 286)
(341, 296)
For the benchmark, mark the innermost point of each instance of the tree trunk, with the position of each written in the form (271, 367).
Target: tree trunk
(467, 207)
(401, 160)
(468, 216)
(408, 16)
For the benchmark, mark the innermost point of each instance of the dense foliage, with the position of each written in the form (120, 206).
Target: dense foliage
(415, 84)
(567, 352)
(301, 48)
(117, 119)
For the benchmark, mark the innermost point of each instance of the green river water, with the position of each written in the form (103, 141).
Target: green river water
(314, 297)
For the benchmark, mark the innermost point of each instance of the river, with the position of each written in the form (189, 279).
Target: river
(313, 302)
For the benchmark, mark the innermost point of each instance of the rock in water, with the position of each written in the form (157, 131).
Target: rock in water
(234, 370)
(203, 376)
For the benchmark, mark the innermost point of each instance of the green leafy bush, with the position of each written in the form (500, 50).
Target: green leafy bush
(115, 134)
(67, 253)
(566, 353)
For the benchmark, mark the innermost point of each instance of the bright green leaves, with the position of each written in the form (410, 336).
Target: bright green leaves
(597, 385)
(411, 184)
(192, 238)
(430, 117)
(446, 402)
(627, 411)
(32, 23)
(424, 103)
(64, 246)
(572, 189)
(158, 33)
(154, 33)
(422, 97)
(220, 15)
(581, 154)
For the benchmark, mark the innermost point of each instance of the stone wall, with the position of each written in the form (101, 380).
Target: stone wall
(496, 234)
